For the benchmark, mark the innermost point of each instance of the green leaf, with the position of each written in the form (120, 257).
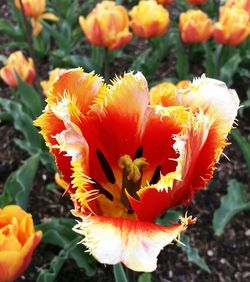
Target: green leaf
(232, 203)
(168, 217)
(23, 123)
(230, 68)
(18, 184)
(49, 275)
(59, 232)
(30, 98)
(119, 273)
(145, 277)
(79, 61)
(244, 146)
(6, 27)
(193, 253)
(60, 39)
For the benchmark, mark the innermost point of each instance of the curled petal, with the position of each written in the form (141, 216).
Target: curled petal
(135, 243)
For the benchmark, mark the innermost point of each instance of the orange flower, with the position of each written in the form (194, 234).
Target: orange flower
(107, 25)
(126, 162)
(18, 241)
(244, 4)
(149, 19)
(195, 26)
(17, 63)
(53, 75)
(165, 2)
(233, 26)
(35, 10)
(196, 2)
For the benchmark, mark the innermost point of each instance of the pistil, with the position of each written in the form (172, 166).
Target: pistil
(132, 176)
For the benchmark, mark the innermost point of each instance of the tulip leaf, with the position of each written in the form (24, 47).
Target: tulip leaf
(18, 185)
(193, 253)
(145, 277)
(23, 123)
(210, 60)
(119, 273)
(6, 27)
(30, 98)
(49, 275)
(59, 232)
(232, 203)
(244, 146)
(228, 70)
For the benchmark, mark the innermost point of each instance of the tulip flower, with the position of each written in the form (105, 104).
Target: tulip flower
(244, 4)
(233, 26)
(149, 19)
(107, 25)
(127, 161)
(18, 240)
(195, 26)
(196, 2)
(35, 10)
(17, 63)
(165, 2)
(46, 84)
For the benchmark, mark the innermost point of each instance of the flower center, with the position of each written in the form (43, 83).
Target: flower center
(132, 175)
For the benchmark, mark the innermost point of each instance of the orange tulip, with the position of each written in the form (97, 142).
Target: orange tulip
(149, 19)
(18, 241)
(17, 63)
(165, 2)
(53, 75)
(126, 161)
(233, 26)
(35, 10)
(244, 4)
(107, 25)
(195, 26)
(196, 2)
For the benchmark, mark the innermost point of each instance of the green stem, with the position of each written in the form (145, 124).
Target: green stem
(106, 64)
(119, 273)
(30, 44)
(219, 61)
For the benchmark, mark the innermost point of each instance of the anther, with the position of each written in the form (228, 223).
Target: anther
(105, 167)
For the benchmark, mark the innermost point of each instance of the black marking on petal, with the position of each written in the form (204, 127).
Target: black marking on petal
(156, 175)
(105, 166)
(102, 190)
(139, 153)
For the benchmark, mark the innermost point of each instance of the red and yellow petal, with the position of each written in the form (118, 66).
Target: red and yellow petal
(134, 243)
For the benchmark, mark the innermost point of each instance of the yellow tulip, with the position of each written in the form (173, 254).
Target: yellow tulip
(107, 25)
(233, 26)
(195, 26)
(149, 19)
(19, 64)
(18, 241)
(35, 10)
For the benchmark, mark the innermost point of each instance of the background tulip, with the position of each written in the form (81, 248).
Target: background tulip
(165, 2)
(17, 63)
(35, 10)
(195, 26)
(18, 241)
(149, 19)
(233, 26)
(107, 25)
(244, 4)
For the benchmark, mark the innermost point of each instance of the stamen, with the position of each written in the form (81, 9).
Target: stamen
(105, 167)
(156, 175)
(102, 190)
(139, 153)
